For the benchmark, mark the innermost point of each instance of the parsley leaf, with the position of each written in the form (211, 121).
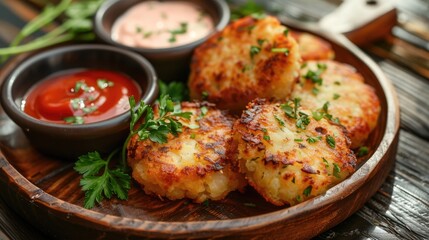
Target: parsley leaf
(99, 185)
(362, 151)
(336, 171)
(176, 90)
(330, 141)
(307, 191)
(254, 50)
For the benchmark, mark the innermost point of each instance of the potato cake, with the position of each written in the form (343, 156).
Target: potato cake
(342, 91)
(287, 155)
(312, 47)
(197, 164)
(252, 57)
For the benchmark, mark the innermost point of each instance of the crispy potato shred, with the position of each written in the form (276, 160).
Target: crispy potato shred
(272, 109)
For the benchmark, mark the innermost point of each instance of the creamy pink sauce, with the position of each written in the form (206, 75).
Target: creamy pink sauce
(153, 24)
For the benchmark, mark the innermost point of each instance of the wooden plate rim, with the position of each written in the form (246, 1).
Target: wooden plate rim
(343, 189)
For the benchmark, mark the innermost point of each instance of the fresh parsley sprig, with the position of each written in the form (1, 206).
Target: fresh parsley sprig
(101, 179)
(76, 25)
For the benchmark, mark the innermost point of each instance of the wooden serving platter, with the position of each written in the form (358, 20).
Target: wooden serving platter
(46, 191)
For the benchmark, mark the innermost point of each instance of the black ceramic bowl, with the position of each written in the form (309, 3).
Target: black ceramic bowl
(70, 141)
(171, 64)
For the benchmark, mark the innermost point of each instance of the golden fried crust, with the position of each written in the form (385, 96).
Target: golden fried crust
(351, 100)
(312, 47)
(224, 67)
(197, 164)
(287, 164)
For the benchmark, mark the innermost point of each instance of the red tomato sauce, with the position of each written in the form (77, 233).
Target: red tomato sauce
(80, 96)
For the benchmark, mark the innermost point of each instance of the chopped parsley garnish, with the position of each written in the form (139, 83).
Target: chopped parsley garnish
(204, 95)
(103, 83)
(324, 113)
(147, 34)
(298, 198)
(280, 50)
(74, 120)
(254, 50)
(261, 41)
(298, 140)
(181, 30)
(290, 111)
(204, 111)
(279, 120)
(336, 96)
(307, 191)
(315, 91)
(286, 32)
(314, 139)
(192, 135)
(245, 68)
(303, 121)
(315, 76)
(326, 162)
(267, 138)
(138, 29)
(330, 141)
(101, 179)
(336, 171)
(362, 151)
(81, 85)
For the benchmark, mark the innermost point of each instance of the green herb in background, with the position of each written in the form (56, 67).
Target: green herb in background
(103, 180)
(245, 9)
(176, 90)
(76, 26)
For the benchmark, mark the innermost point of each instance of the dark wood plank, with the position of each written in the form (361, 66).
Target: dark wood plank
(400, 208)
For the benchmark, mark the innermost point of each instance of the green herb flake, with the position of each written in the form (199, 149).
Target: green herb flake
(315, 91)
(303, 121)
(307, 191)
(279, 121)
(336, 96)
(204, 95)
(147, 34)
(326, 162)
(317, 115)
(330, 141)
(285, 51)
(206, 203)
(138, 29)
(336, 171)
(267, 138)
(362, 151)
(286, 32)
(315, 76)
(298, 198)
(298, 140)
(192, 135)
(76, 120)
(254, 50)
(261, 42)
(103, 83)
(314, 139)
(78, 86)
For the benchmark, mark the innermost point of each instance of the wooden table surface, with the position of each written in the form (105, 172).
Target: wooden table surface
(400, 208)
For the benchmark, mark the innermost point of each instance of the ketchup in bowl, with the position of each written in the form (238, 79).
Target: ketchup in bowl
(80, 96)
